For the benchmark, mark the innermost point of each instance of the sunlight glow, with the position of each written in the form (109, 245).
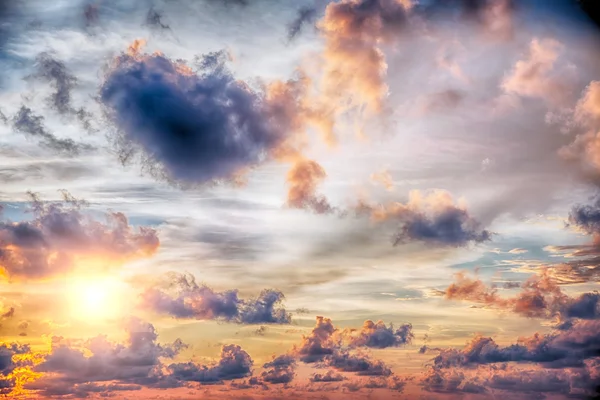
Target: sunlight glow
(95, 299)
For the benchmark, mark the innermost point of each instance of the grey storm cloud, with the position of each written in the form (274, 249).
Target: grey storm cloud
(234, 363)
(192, 127)
(27, 122)
(187, 299)
(63, 230)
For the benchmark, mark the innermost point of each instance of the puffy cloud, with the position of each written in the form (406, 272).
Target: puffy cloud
(533, 77)
(379, 335)
(27, 122)
(8, 364)
(303, 179)
(319, 343)
(569, 347)
(60, 237)
(358, 363)
(234, 363)
(279, 370)
(430, 217)
(329, 376)
(354, 32)
(137, 362)
(192, 127)
(184, 298)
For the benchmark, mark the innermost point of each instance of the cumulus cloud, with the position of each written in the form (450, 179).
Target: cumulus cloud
(8, 364)
(192, 127)
(234, 363)
(136, 362)
(567, 347)
(329, 376)
(535, 76)
(303, 179)
(379, 335)
(184, 298)
(60, 237)
(429, 217)
(280, 370)
(354, 32)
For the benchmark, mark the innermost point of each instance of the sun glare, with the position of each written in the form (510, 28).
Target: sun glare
(95, 299)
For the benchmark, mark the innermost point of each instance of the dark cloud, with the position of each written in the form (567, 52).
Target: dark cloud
(357, 363)
(184, 298)
(320, 343)
(432, 217)
(59, 234)
(587, 217)
(329, 376)
(280, 370)
(379, 335)
(154, 20)
(304, 15)
(234, 363)
(27, 122)
(190, 127)
(8, 364)
(54, 71)
(69, 370)
(569, 347)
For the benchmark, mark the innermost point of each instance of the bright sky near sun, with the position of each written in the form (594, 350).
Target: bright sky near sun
(187, 186)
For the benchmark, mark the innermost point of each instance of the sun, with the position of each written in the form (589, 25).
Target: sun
(95, 299)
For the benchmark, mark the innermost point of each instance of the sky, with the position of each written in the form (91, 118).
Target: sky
(262, 199)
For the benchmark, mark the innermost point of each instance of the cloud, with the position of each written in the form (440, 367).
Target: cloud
(429, 217)
(191, 127)
(184, 298)
(329, 376)
(354, 63)
(304, 15)
(279, 370)
(319, 343)
(137, 362)
(384, 178)
(357, 363)
(61, 79)
(8, 364)
(154, 20)
(379, 335)
(27, 122)
(234, 363)
(303, 179)
(569, 347)
(535, 77)
(60, 238)
(540, 297)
